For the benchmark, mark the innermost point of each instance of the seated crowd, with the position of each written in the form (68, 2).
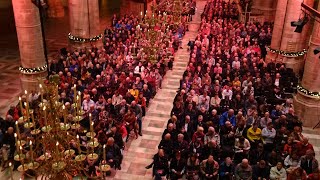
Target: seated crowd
(116, 85)
(233, 117)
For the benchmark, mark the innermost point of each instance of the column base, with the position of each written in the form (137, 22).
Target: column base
(270, 56)
(297, 64)
(307, 109)
(87, 45)
(30, 82)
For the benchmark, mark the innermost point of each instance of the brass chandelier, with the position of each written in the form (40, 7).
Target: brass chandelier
(48, 146)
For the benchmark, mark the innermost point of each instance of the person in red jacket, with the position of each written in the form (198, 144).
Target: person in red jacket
(198, 135)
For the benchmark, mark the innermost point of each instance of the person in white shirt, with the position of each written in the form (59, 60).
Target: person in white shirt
(116, 98)
(236, 63)
(268, 133)
(139, 69)
(87, 102)
(248, 90)
(33, 96)
(278, 172)
(212, 135)
(227, 92)
(204, 97)
(195, 97)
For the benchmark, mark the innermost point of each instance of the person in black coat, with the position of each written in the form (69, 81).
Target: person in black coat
(181, 146)
(113, 154)
(186, 127)
(160, 165)
(170, 129)
(116, 136)
(260, 171)
(177, 166)
(258, 154)
(166, 144)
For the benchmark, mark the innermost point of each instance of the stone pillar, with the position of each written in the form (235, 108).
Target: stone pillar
(84, 21)
(291, 40)
(29, 35)
(284, 38)
(55, 9)
(277, 28)
(266, 8)
(308, 107)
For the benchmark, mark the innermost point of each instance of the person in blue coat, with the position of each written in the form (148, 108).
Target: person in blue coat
(228, 116)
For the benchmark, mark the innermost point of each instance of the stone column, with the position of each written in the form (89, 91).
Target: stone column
(84, 21)
(284, 38)
(55, 9)
(291, 41)
(308, 107)
(29, 35)
(277, 28)
(267, 8)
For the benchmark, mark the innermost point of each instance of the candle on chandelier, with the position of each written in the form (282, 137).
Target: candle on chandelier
(21, 108)
(10, 167)
(27, 111)
(79, 149)
(104, 153)
(91, 123)
(57, 149)
(41, 93)
(31, 151)
(20, 151)
(32, 118)
(74, 93)
(45, 115)
(18, 130)
(16, 140)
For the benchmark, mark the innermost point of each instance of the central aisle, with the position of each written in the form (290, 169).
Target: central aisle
(140, 151)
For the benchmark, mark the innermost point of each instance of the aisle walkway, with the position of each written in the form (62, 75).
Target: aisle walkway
(140, 151)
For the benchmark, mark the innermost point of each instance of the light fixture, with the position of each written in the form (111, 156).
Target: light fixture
(300, 24)
(316, 50)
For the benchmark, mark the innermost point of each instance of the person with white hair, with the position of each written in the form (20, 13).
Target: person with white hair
(87, 102)
(243, 170)
(212, 135)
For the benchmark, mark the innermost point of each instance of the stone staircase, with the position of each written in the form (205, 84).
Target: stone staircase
(140, 151)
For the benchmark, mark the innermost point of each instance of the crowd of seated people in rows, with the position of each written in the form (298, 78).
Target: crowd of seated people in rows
(233, 117)
(116, 85)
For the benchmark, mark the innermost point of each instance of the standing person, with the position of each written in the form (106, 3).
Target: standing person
(131, 123)
(138, 112)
